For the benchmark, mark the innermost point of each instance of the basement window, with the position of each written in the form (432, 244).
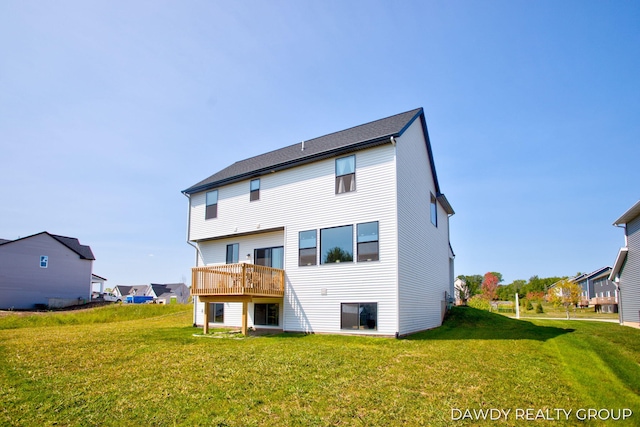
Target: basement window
(359, 316)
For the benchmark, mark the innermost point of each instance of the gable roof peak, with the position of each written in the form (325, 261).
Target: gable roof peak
(358, 137)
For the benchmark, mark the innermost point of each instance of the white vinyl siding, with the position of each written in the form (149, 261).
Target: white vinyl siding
(424, 262)
(630, 276)
(302, 199)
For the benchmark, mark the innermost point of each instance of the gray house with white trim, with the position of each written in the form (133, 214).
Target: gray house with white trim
(626, 269)
(44, 270)
(343, 233)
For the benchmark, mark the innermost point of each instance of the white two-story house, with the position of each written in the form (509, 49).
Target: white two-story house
(345, 233)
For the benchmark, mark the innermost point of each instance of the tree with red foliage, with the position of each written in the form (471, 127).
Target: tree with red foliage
(490, 287)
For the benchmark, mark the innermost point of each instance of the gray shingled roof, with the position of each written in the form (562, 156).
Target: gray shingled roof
(363, 136)
(70, 242)
(74, 244)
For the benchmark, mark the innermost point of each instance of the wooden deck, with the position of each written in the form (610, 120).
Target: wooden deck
(237, 280)
(236, 283)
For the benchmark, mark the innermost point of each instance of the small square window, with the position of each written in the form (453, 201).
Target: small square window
(212, 205)
(345, 174)
(44, 261)
(254, 190)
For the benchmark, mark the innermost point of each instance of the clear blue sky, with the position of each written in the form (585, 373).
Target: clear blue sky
(108, 109)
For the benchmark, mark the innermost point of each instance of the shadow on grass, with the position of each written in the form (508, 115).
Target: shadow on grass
(471, 323)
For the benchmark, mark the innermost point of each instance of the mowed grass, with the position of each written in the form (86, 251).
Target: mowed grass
(154, 371)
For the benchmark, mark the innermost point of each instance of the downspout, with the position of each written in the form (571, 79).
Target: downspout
(617, 281)
(395, 167)
(198, 254)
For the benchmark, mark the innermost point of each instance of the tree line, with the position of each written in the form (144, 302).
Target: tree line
(476, 284)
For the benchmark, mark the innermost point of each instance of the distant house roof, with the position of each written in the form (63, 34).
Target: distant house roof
(132, 290)
(633, 212)
(70, 242)
(599, 272)
(371, 134)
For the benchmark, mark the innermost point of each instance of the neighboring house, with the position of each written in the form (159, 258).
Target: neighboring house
(460, 291)
(597, 290)
(345, 233)
(626, 270)
(44, 270)
(123, 290)
(170, 292)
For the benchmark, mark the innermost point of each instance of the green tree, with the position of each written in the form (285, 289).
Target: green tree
(565, 293)
(539, 308)
(471, 284)
(337, 254)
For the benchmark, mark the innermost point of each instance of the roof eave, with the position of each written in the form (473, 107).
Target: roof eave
(617, 266)
(445, 204)
(630, 214)
(386, 139)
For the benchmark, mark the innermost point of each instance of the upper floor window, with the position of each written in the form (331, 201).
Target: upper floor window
(345, 174)
(254, 190)
(368, 249)
(307, 244)
(336, 244)
(233, 251)
(44, 261)
(212, 205)
(434, 210)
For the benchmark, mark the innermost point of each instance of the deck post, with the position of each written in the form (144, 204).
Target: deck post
(205, 328)
(244, 318)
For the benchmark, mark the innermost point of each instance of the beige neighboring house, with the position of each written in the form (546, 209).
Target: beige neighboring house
(44, 270)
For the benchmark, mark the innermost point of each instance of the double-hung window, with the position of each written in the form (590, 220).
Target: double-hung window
(254, 190)
(368, 248)
(307, 244)
(233, 251)
(212, 205)
(336, 244)
(434, 210)
(346, 174)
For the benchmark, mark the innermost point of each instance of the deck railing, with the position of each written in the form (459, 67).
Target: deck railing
(603, 300)
(237, 279)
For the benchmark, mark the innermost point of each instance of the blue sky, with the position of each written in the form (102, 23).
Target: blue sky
(108, 109)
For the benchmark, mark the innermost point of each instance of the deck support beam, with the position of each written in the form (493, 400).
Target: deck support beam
(244, 317)
(205, 328)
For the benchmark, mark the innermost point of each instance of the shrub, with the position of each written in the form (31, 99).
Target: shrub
(539, 308)
(480, 303)
(529, 305)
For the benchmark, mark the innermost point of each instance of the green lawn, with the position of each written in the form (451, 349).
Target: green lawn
(150, 369)
(559, 312)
